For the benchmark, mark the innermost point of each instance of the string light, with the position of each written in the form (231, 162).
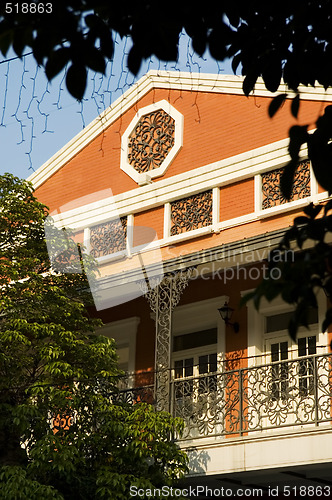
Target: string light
(36, 99)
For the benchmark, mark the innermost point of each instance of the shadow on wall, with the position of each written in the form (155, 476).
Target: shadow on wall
(198, 461)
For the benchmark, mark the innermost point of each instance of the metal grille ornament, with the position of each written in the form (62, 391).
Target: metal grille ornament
(151, 140)
(108, 237)
(163, 298)
(271, 194)
(132, 396)
(237, 402)
(191, 213)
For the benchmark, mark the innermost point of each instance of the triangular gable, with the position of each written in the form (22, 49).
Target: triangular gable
(219, 122)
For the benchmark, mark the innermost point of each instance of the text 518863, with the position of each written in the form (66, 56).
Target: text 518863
(28, 8)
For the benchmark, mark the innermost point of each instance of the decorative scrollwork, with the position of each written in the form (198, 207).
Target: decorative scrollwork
(109, 237)
(162, 299)
(271, 194)
(237, 402)
(245, 400)
(191, 213)
(151, 141)
(133, 396)
(61, 422)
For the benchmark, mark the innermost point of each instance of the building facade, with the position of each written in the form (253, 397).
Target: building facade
(175, 191)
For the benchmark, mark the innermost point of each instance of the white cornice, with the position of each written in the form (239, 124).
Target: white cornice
(223, 172)
(172, 80)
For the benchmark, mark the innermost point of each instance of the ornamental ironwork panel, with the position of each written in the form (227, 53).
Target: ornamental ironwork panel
(191, 213)
(136, 395)
(288, 394)
(151, 140)
(108, 237)
(237, 402)
(61, 422)
(271, 194)
(163, 298)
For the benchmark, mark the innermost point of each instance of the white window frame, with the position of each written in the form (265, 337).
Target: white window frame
(197, 316)
(256, 326)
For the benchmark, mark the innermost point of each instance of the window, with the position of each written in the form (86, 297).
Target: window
(279, 352)
(197, 352)
(287, 369)
(124, 333)
(286, 378)
(306, 347)
(198, 359)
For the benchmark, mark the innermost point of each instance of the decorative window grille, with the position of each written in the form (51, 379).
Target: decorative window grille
(191, 213)
(151, 140)
(271, 194)
(108, 237)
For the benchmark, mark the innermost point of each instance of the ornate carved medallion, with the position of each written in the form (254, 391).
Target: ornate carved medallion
(151, 140)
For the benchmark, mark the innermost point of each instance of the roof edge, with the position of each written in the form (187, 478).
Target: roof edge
(175, 80)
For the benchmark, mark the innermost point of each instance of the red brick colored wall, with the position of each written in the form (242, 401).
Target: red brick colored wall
(237, 199)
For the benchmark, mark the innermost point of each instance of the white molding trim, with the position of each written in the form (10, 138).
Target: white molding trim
(256, 325)
(212, 176)
(130, 235)
(216, 174)
(106, 209)
(197, 316)
(167, 221)
(215, 207)
(145, 178)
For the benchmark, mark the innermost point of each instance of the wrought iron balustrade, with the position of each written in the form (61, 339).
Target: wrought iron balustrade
(241, 401)
(144, 394)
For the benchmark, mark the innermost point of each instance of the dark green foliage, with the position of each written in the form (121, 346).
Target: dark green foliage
(304, 259)
(53, 366)
(291, 40)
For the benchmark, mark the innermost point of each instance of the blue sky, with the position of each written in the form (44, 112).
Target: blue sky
(37, 118)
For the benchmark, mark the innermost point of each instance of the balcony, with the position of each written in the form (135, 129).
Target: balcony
(247, 401)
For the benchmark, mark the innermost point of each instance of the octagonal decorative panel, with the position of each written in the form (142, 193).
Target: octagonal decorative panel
(151, 142)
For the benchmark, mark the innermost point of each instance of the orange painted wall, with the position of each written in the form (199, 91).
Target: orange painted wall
(144, 222)
(237, 199)
(216, 126)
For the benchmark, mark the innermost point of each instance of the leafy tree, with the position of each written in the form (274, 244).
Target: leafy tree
(61, 436)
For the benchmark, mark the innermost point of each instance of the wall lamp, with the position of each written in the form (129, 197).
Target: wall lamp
(226, 314)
